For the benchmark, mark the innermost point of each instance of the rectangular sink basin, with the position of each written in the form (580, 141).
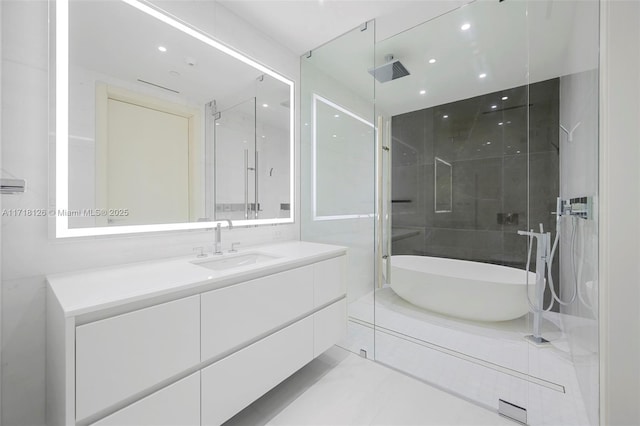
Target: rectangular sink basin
(235, 261)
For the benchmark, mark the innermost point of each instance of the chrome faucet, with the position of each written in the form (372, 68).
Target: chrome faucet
(217, 246)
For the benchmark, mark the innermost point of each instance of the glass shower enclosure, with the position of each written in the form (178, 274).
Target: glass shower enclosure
(450, 159)
(248, 148)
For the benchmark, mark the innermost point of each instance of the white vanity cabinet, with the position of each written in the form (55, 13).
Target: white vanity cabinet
(175, 404)
(193, 354)
(235, 315)
(118, 357)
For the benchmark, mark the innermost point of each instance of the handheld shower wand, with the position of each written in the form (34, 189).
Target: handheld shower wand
(559, 213)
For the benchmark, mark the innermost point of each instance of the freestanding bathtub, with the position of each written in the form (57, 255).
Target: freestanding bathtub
(460, 288)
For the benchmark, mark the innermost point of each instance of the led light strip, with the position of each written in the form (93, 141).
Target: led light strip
(314, 160)
(62, 114)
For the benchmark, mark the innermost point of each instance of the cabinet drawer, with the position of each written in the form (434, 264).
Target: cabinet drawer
(237, 314)
(329, 326)
(177, 404)
(236, 381)
(329, 281)
(121, 356)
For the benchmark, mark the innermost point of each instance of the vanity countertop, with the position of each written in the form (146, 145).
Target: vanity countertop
(93, 290)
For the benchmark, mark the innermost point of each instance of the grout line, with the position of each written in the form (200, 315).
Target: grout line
(529, 378)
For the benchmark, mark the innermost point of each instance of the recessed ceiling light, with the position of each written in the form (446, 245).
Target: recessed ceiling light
(422, 92)
(162, 48)
(337, 115)
(432, 61)
(335, 136)
(500, 123)
(265, 105)
(445, 116)
(488, 142)
(306, 124)
(465, 26)
(517, 152)
(217, 124)
(504, 98)
(483, 75)
(494, 106)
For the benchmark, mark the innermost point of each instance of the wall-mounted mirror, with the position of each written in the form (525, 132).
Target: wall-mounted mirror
(160, 127)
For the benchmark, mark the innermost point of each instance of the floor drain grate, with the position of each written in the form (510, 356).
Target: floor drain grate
(512, 411)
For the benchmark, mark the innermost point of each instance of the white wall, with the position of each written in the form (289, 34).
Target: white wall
(29, 254)
(620, 213)
(1, 139)
(579, 238)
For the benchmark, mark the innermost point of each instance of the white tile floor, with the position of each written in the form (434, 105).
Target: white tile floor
(469, 358)
(341, 388)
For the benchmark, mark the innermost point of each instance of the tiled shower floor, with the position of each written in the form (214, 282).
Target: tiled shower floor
(478, 361)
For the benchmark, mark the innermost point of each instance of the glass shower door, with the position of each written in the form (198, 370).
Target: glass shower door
(338, 173)
(235, 159)
(454, 312)
(483, 117)
(571, 358)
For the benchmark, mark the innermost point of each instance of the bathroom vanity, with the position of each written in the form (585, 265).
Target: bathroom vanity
(189, 341)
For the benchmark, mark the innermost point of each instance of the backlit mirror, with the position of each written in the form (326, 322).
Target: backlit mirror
(160, 127)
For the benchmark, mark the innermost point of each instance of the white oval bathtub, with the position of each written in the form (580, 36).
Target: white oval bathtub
(460, 288)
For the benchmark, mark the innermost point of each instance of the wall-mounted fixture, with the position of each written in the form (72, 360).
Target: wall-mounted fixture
(581, 207)
(508, 218)
(570, 132)
(392, 69)
(12, 186)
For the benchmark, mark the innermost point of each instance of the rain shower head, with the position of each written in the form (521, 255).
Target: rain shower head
(392, 70)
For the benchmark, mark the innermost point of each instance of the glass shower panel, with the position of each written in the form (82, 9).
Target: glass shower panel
(455, 311)
(342, 143)
(235, 161)
(563, 55)
(338, 166)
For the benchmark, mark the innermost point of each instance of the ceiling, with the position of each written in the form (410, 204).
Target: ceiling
(302, 25)
(118, 44)
(507, 45)
(512, 42)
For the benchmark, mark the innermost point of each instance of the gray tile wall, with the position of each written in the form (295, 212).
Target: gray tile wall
(496, 169)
